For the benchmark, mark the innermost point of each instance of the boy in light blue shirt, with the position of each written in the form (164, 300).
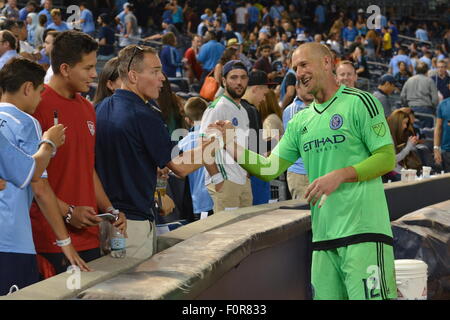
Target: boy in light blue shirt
(201, 200)
(22, 83)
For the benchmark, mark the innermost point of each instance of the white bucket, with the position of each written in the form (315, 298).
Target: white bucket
(411, 278)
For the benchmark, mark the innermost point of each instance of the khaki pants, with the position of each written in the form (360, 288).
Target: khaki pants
(232, 195)
(297, 184)
(141, 241)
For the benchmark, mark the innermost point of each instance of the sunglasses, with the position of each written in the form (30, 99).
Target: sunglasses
(135, 51)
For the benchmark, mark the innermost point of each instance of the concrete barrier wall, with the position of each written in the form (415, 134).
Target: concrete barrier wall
(242, 247)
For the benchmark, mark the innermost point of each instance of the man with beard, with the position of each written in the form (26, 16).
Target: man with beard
(229, 186)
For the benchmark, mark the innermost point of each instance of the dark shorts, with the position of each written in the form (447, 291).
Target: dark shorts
(17, 269)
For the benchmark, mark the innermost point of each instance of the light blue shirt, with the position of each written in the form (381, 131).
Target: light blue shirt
(275, 12)
(88, 26)
(62, 27)
(7, 56)
(201, 200)
(209, 54)
(24, 132)
(443, 112)
(288, 113)
(421, 34)
(10, 154)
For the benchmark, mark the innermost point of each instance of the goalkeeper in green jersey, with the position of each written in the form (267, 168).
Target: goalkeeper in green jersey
(345, 143)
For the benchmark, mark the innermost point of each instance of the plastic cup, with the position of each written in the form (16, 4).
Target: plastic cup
(426, 171)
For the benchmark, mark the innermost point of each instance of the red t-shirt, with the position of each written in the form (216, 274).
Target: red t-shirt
(70, 172)
(192, 60)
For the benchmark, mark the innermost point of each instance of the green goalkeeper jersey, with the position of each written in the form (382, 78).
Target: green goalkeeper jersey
(339, 133)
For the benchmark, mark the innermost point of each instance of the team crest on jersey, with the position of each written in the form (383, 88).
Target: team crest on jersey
(379, 129)
(235, 121)
(91, 127)
(336, 121)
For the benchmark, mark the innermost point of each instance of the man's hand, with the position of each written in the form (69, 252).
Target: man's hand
(328, 183)
(225, 128)
(121, 224)
(437, 156)
(167, 206)
(74, 259)
(2, 184)
(163, 173)
(83, 217)
(56, 134)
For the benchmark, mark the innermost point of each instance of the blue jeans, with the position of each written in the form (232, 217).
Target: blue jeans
(424, 121)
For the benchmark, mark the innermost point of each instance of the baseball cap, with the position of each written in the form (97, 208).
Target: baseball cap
(232, 65)
(259, 78)
(301, 37)
(388, 78)
(232, 42)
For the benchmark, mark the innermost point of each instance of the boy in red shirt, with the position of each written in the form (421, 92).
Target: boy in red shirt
(71, 173)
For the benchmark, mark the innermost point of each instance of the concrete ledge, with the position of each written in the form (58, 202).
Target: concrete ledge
(55, 288)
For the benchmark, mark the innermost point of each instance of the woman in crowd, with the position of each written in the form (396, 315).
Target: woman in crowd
(403, 74)
(405, 140)
(108, 81)
(169, 55)
(271, 118)
(32, 24)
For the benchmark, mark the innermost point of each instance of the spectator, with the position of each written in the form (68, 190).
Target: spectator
(209, 54)
(22, 82)
(8, 46)
(442, 135)
(297, 177)
(32, 25)
(194, 69)
(263, 63)
(334, 43)
(58, 24)
(30, 7)
(338, 25)
(167, 27)
(349, 34)
(442, 80)
(169, 108)
(71, 174)
(414, 60)
(241, 15)
(39, 31)
(394, 32)
(127, 117)
(361, 25)
(427, 59)
(403, 74)
(420, 93)
(387, 85)
(405, 144)
(108, 81)
(203, 27)
(394, 63)
(47, 8)
(254, 95)
(271, 118)
(359, 62)
(387, 43)
(372, 44)
(421, 32)
(208, 15)
(87, 20)
(276, 11)
(253, 16)
(48, 47)
(131, 26)
(229, 54)
(10, 11)
(170, 58)
(287, 88)
(177, 15)
(235, 190)
(346, 74)
(105, 39)
(201, 200)
(219, 15)
(320, 17)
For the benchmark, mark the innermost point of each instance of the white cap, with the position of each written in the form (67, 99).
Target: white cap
(301, 37)
(360, 10)
(125, 5)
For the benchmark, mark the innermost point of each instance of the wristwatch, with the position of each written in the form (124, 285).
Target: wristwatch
(69, 213)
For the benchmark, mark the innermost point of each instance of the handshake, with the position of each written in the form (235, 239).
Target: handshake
(221, 132)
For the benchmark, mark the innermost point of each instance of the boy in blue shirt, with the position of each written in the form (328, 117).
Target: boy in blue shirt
(22, 83)
(201, 200)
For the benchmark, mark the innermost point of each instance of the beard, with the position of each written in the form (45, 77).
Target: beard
(233, 94)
